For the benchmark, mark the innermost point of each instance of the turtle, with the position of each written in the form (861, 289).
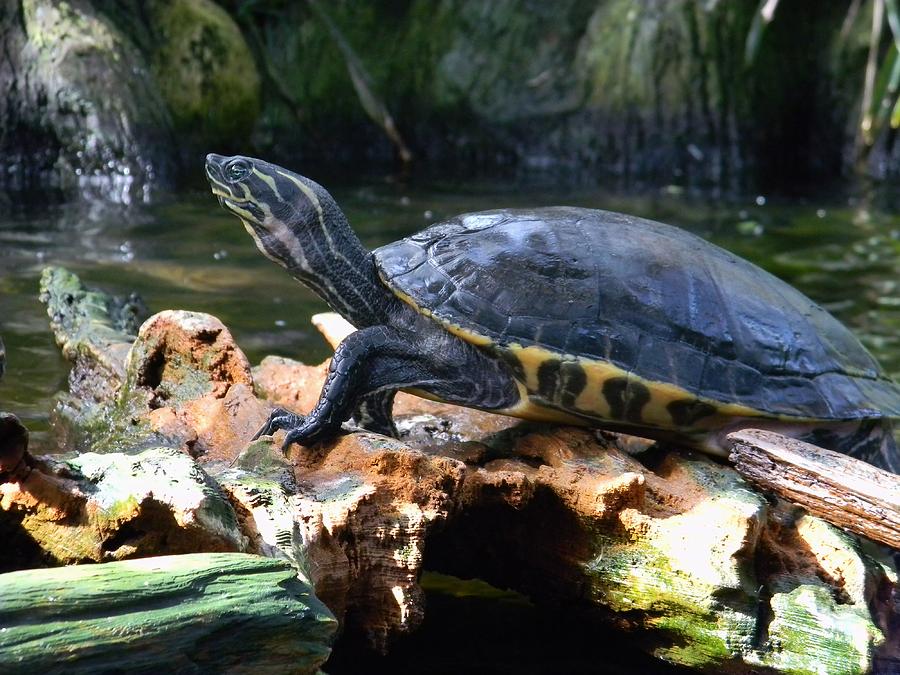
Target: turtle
(565, 315)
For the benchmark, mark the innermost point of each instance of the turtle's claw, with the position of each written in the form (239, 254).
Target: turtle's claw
(309, 432)
(279, 419)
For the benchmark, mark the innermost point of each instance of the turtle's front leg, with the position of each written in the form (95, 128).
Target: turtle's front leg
(372, 363)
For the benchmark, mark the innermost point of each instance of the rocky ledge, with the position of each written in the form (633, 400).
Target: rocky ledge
(673, 548)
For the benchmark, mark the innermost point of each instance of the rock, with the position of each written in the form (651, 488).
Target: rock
(189, 381)
(211, 612)
(94, 330)
(205, 72)
(181, 382)
(105, 98)
(98, 508)
(14, 457)
(657, 90)
(683, 556)
(289, 384)
(80, 112)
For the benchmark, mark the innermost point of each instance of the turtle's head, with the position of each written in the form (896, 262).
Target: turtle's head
(281, 210)
(241, 186)
(296, 223)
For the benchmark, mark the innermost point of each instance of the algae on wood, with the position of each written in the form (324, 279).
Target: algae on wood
(702, 569)
(193, 613)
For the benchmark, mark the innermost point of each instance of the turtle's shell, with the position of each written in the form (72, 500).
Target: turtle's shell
(617, 317)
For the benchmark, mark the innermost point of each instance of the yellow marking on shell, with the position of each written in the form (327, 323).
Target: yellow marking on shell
(591, 401)
(472, 338)
(527, 409)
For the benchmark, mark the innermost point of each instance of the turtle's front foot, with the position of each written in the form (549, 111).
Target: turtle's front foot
(310, 431)
(279, 419)
(303, 430)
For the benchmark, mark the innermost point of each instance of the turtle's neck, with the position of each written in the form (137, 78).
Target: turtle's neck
(327, 257)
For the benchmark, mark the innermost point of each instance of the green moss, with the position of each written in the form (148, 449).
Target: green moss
(209, 612)
(689, 580)
(400, 48)
(205, 71)
(51, 25)
(121, 510)
(695, 628)
(810, 633)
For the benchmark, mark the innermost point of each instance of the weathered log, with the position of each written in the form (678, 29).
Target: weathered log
(211, 612)
(182, 383)
(846, 492)
(105, 507)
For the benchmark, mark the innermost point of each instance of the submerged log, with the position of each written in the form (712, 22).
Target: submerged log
(211, 612)
(847, 492)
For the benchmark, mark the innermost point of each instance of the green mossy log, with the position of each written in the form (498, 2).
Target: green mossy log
(209, 612)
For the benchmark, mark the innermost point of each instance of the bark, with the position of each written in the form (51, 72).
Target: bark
(847, 492)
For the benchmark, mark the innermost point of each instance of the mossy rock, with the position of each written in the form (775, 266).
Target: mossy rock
(205, 71)
(80, 111)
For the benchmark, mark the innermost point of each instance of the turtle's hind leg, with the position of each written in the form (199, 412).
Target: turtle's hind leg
(870, 440)
(374, 412)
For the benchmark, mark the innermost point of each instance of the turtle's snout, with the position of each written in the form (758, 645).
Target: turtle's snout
(214, 164)
(215, 174)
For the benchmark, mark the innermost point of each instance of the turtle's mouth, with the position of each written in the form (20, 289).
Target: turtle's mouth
(227, 199)
(230, 201)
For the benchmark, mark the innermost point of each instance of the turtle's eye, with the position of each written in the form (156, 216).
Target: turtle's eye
(237, 169)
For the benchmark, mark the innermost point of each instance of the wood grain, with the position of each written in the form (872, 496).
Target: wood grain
(846, 492)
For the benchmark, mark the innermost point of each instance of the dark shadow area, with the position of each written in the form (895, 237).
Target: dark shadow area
(472, 627)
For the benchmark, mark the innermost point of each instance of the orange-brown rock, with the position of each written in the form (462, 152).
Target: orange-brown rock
(289, 384)
(194, 383)
(673, 546)
(356, 522)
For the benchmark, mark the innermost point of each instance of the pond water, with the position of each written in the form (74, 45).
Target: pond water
(185, 252)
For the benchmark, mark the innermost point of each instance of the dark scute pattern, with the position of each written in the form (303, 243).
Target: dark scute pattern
(514, 365)
(687, 413)
(561, 382)
(626, 399)
(653, 300)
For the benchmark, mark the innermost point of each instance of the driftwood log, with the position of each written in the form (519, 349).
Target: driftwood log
(211, 612)
(846, 492)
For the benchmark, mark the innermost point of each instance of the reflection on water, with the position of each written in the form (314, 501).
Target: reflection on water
(187, 253)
